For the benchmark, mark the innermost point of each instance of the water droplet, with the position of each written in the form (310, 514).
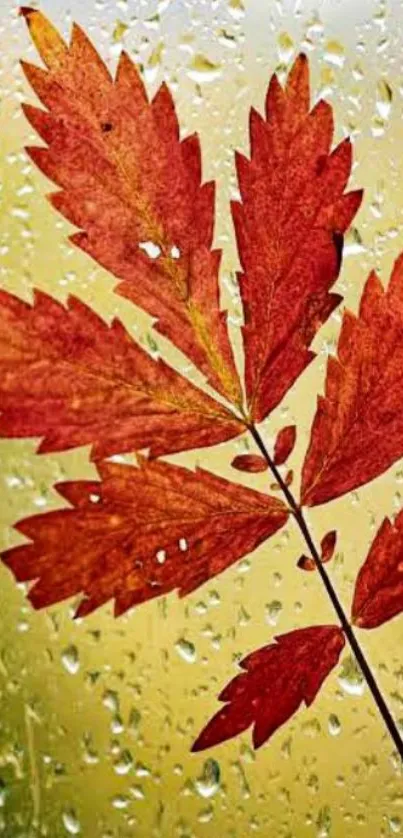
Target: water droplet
(120, 801)
(3, 793)
(71, 822)
(324, 822)
(209, 781)
(201, 69)
(273, 610)
(70, 660)
(285, 47)
(334, 54)
(111, 700)
(350, 678)
(236, 8)
(394, 824)
(119, 30)
(186, 650)
(384, 98)
(353, 243)
(124, 764)
(334, 725)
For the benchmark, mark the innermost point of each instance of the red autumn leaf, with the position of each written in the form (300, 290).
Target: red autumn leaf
(68, 377)
(134, 189)
(328, 546)
(306, 563)
(251, 463)
(289, 477)
(139, 533)
(357, 431)
(278, 678)
(378, 592)
(289, 227)
(284, 444)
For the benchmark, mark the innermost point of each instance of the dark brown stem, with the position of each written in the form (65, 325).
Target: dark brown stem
(345, 624)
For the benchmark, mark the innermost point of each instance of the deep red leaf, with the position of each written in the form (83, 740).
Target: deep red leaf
(328, 546)
(289, 227)
(249, 462)
(357, 431)
(135, 191)
(306, 563)
(278, 678)
(68, 377)
(378, 592)
(139, 533)
(284, 444)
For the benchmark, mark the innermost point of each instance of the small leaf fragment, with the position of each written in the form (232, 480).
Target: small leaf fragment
(276, 680)
(378, 595)
(289, 477)
(306, 563)
(251, 463)
(284, 444)
(139, 533)
(328, 546)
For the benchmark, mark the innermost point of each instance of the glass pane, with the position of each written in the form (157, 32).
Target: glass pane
(99, 714)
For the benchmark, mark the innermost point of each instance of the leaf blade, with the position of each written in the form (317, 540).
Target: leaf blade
(127, 179)
(284, 444)
(378, 594)
(277, 679)
(69, 378)
(357, 431)
(251, 463)
(139, 533)
(289, 227)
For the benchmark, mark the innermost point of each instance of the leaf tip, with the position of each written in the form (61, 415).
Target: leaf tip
(196, 747)
(26, 12)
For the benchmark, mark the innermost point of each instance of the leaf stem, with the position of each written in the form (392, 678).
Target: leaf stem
(345, 624)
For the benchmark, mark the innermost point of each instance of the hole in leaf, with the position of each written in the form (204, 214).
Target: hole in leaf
(151, 249)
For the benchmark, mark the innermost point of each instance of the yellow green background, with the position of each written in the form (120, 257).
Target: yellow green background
(98, 716)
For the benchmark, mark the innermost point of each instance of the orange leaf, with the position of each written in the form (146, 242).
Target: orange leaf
(289, 227)
(278, 678)
(249, 462)
(139, 533)
(134, 189)
(284, 444)
(378, 592)
(68, 377)
(357, 431)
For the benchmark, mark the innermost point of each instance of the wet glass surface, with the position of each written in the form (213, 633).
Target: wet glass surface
(98, 715)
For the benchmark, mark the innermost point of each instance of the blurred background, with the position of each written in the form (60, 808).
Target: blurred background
(98, 716)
